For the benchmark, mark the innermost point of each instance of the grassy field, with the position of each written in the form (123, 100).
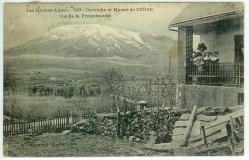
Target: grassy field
(76, 68)
(74, 145)
(51, 104)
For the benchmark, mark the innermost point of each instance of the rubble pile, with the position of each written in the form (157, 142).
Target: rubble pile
(106, 126)
(146, 125)
(150, 124)
(206, 130)
(85, 125)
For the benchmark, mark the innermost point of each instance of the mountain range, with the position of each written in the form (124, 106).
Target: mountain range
(90, 48)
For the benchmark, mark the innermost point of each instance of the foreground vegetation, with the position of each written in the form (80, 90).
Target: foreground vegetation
(76, 144)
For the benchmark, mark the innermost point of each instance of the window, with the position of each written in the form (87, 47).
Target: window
(240, 98)
(196, 41)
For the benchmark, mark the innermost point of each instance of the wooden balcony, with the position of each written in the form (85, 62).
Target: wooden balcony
(223, 74)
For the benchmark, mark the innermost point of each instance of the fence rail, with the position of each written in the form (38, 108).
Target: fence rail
(216, 74)
(45, 124)
(21, 127)
(52, 123)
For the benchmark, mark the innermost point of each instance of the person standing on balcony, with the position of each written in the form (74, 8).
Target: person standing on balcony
(206, 61)
(198, 57)
(198, 60)
(206, 58)
(214, 59)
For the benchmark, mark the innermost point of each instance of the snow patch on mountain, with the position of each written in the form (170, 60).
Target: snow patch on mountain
(93, 40)
(94, 33)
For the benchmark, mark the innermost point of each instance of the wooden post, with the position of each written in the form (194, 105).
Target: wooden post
(33, 130)
(39, 124)
(204, 134)
(6, 128)
(19, 126)
(12, 128)
(232, 136)
(29, 121)
(232, 127)
(67, 120)
(42, 124)
(189, 126)
(24, 127)
(118, 122)
(56, 122)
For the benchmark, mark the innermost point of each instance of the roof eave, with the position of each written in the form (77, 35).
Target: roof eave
(208, 19)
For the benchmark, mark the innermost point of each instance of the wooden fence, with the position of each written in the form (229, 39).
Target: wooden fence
(16, 125)
(46, 125)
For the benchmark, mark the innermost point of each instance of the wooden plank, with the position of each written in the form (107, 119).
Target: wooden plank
(185, 116)
(210, 139)
(189, 126)
(161, 147)
(179, 131)
(208, 131)
(181, 124)
(206, 118)
(218, 136)
(196, 129)
(236, 107)
(199, 110)
(177, 139)
(226, 118)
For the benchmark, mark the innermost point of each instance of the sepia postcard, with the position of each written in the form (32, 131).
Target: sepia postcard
(123, 79)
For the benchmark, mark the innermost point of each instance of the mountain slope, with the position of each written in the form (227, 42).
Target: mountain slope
(79, 49)
(92, 40)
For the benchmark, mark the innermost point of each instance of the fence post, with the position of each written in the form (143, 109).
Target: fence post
(19, 126)
(67, 120)
(118, 122)
(42, 124)
(11, 127)
(29, 121)
(6, 126)
(33, 128)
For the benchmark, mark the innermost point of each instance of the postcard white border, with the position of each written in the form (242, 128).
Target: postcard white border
(246, 87)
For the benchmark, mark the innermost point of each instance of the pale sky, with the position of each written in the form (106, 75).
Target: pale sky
(21, 26)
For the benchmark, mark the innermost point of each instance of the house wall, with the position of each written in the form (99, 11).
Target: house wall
(222, 39)
(211, 96)
(185, 48)
(219, 39)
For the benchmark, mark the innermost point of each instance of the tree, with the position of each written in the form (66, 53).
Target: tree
(113, 82)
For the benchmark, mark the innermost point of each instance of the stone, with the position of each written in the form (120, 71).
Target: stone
(131, 138)
(137, 139)
(152, 140)
(66, 132)
(153, 133)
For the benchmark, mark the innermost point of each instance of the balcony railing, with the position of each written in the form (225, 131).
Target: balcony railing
(216, 74)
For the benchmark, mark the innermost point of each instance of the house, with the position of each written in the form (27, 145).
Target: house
(220, 26)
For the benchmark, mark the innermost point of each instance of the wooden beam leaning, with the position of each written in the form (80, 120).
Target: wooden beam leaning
(189, 126)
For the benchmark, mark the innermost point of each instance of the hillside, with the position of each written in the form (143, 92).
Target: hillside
(90, 48)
